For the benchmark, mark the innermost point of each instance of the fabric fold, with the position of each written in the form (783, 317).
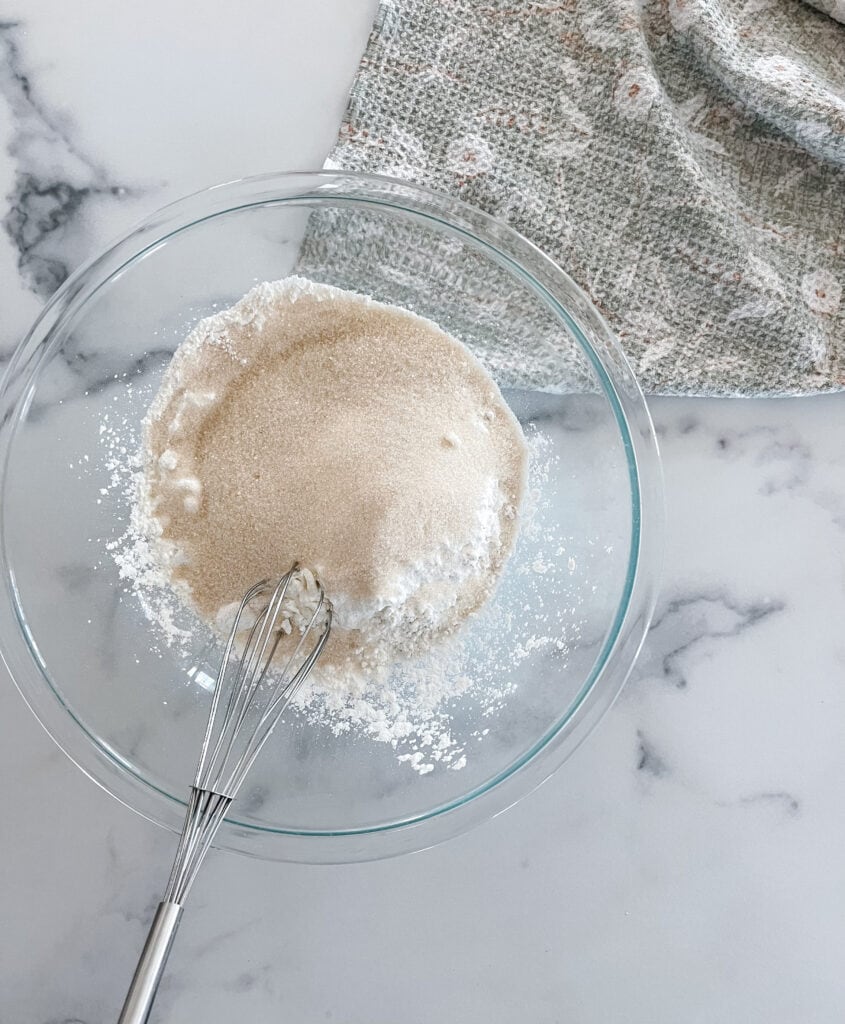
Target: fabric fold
(683, 161)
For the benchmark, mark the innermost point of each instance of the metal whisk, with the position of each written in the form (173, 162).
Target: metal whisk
(248, 700)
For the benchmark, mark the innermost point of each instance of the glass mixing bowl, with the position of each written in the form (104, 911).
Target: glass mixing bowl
(562, 630)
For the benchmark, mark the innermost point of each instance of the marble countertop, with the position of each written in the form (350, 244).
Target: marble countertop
(684, 866)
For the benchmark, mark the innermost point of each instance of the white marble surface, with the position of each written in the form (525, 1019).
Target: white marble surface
(685, 866)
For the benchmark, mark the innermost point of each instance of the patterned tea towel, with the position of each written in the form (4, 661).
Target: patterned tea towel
(684, 161)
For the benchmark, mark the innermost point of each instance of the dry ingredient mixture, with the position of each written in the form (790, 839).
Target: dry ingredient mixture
(312, 424)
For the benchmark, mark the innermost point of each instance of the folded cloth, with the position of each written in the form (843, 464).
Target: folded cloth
(835, 8)
(683, 161)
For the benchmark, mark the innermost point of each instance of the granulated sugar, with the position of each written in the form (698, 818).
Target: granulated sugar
(310, 424)
(314, 425)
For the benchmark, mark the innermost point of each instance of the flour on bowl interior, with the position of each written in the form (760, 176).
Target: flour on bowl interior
(310, 424)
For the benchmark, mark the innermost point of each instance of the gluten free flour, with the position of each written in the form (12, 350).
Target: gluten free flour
(316, 425)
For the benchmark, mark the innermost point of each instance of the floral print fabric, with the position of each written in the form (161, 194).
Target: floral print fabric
(684, 161)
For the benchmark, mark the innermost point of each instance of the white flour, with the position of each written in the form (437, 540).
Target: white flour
(314, 425)
(400, 692)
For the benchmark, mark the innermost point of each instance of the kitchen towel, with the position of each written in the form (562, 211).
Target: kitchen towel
(684, 161)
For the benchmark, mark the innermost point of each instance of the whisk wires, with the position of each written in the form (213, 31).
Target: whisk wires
(249, 698)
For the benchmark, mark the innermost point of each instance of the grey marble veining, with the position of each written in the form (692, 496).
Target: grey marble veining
(54, 178)
(684, 867)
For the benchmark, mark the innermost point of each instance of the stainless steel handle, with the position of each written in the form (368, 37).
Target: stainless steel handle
(142, 991)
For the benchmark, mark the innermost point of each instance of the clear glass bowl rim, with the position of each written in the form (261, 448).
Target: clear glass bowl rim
(525, 261)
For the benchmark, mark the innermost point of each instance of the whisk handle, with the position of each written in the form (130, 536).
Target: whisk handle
(142, 991)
